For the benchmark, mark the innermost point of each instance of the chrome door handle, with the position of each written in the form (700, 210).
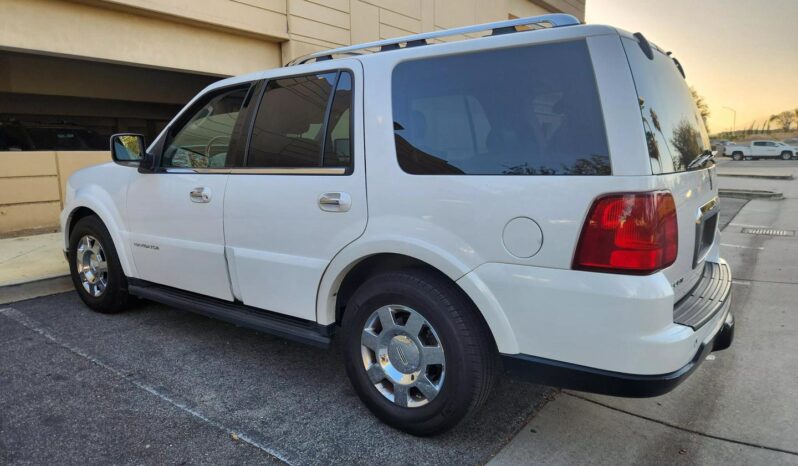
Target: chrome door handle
(335, 202)
(201, 195)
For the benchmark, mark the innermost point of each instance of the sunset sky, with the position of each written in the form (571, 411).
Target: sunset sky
(741, 54)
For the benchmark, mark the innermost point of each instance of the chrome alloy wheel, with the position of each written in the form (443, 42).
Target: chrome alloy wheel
(92, 266)
(403, 356)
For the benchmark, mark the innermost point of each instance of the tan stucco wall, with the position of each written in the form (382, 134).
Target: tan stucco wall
(32, 187)
(33, 74)
(85, 30)
(256, 17)
(314, 26)
(229, 37)
(210, 37)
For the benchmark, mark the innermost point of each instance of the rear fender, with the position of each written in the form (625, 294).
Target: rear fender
(443, 261)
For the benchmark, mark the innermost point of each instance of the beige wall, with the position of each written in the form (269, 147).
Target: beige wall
(103, 34)
(324, 24)
(201, 35)
(32, 187)
(207, 37)
(33, 74)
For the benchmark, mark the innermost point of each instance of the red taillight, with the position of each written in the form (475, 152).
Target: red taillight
(634, 233)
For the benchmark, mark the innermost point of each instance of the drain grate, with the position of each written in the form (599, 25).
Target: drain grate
(768, 232)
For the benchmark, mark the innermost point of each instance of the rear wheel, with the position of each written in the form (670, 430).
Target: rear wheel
(737, 156)
(95, 268)
(786, 155)
(417, 352)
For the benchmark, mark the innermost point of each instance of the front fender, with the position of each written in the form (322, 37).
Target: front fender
(105, 198)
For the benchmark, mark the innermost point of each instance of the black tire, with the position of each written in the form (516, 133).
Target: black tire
(786, 155)
(737, 156)
(470, 352)
(114, 298)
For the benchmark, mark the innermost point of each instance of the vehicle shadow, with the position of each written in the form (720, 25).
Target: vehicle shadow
(293, 398)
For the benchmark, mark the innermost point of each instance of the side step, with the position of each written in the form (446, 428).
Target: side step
(291, 328)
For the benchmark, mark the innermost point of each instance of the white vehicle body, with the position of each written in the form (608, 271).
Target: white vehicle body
(761, 149)
(263, 239)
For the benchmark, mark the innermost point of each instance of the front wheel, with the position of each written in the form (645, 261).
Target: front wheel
(417, 352)
(786, 155)
(95, 268)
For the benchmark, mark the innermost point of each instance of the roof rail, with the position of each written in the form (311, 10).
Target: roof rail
(499, 27)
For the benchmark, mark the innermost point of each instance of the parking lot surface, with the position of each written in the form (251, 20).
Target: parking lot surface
(157, 385)
(739, 407)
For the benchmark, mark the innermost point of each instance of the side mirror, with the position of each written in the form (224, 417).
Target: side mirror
(127, 149)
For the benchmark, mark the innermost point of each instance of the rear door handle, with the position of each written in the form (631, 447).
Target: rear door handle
(335, 202)
(201, 195)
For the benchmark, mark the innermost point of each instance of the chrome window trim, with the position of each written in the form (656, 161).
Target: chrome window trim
(289, 171)
(261, 171)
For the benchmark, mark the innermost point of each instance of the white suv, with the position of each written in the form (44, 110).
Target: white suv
(541, 198)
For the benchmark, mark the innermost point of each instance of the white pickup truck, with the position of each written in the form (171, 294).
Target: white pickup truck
(761, 149)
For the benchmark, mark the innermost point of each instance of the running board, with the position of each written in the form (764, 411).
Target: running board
(291, 328)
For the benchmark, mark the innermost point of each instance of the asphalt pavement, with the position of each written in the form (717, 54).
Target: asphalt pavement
(741, 406)
(157, 385)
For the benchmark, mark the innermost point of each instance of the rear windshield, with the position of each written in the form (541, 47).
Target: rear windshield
(675, 132)
(531, 110)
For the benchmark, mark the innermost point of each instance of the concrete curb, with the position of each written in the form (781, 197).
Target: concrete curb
(40, 278)
(750, 194)
(761, 177)
(35, 288)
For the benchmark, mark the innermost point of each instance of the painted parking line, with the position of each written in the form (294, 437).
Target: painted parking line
(742, 247)
(34, 326)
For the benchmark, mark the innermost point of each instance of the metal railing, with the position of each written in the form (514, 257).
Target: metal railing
(496, 28)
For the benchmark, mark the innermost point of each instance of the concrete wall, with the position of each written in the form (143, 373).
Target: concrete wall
(32, 187)
(113, 32)
(195, 37)
(33, 74)
(198, 35)
(323, 24)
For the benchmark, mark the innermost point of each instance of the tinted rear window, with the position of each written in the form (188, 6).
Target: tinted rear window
(530, 110)
(675, 132)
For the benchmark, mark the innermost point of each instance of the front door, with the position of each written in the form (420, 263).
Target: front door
(300, 196)
(176, 215)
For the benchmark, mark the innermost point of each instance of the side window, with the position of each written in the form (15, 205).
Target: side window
(338, 145)
(204, 142)
(530, 110)
(760, 144)
(674, 130)
(289, 129)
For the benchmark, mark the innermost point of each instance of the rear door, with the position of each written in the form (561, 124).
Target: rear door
(300, 195)
(761, 149)
(676, 136)
(773, 149)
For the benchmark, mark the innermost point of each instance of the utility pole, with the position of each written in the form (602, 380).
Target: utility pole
(734, 118)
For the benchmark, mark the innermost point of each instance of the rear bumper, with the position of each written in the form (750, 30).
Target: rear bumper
(588, 379)
(616, 324)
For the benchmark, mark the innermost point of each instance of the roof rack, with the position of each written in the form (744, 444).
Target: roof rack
(499, 27)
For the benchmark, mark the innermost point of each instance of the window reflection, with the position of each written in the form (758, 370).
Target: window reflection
(530, 110)
(675, 133)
